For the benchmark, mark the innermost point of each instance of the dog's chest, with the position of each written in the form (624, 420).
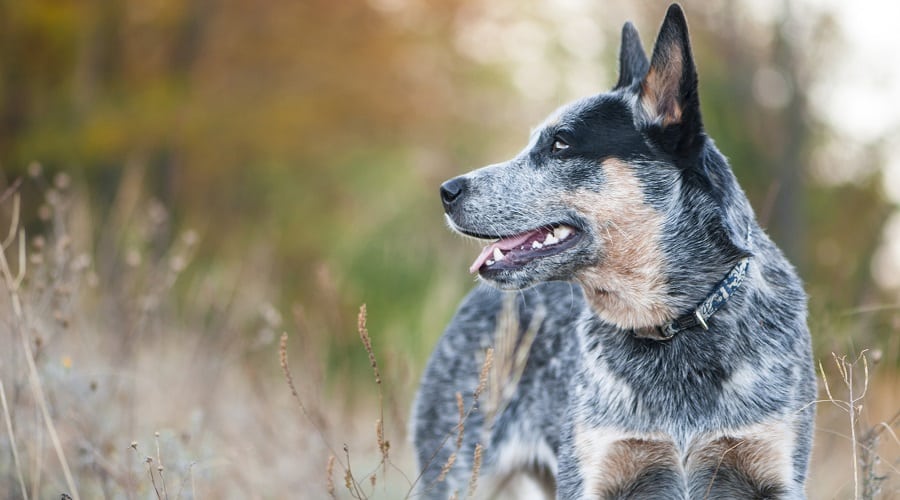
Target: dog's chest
(611, 460)
(648, 394)
(664, 420)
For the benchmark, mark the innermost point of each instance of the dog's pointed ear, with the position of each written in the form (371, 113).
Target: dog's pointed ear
(633, 63)
(668, 93)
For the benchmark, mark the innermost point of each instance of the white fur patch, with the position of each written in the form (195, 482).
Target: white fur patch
(615, 390)
(521, 451)
(513, 475)
(742, 379)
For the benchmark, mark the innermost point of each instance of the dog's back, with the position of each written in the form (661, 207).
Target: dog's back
(679, 366)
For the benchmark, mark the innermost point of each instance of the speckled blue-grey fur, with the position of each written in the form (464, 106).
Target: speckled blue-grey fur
(604, 409)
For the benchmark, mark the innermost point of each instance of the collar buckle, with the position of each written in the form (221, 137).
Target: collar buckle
(700, 320)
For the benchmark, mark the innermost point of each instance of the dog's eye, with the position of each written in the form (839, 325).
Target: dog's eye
(559, 145)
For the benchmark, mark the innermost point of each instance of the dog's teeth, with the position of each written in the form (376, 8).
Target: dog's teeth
(562, 232)
(489, 262)
(536, 245)
(550, 239)
(498, 254)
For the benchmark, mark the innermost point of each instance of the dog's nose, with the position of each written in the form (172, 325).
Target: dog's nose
(451, 191)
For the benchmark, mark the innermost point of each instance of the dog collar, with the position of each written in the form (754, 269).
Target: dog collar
(702, 313)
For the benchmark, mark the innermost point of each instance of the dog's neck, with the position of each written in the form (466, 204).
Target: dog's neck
(645, 287)
(701, 315)
(644, 308)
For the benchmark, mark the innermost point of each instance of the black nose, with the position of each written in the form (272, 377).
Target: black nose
(451, 191)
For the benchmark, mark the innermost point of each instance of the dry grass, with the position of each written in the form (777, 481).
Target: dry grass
(365, 486)
(857, 452)
(106, 366)
(118, 384)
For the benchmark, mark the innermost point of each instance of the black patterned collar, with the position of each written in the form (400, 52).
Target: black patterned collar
(704, 311)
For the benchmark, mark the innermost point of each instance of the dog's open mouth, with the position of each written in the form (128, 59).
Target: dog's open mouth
(515, 251)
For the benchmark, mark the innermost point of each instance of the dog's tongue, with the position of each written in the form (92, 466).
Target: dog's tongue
(503, 244)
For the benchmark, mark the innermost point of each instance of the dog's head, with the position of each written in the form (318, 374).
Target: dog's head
(610, 191)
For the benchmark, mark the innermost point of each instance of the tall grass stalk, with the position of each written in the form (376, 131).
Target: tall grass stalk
(20, 322)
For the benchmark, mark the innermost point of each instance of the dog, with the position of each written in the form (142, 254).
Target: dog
(672, 358)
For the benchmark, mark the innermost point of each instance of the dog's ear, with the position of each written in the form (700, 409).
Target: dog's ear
(633, 63)
(668, 93)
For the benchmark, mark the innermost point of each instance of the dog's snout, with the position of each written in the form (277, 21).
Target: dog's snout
(451, 191)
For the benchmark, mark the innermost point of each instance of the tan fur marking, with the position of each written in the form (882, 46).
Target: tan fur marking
(761, 453)
(630, 458)
(660, 89)
(610, 459)
(627, 287)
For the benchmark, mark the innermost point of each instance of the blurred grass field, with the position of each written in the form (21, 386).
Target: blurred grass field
(153, 393)
(193, 178)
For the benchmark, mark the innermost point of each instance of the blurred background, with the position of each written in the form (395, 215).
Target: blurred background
(196, 177)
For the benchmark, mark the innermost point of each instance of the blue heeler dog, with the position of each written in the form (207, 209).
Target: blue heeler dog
(672, 358)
